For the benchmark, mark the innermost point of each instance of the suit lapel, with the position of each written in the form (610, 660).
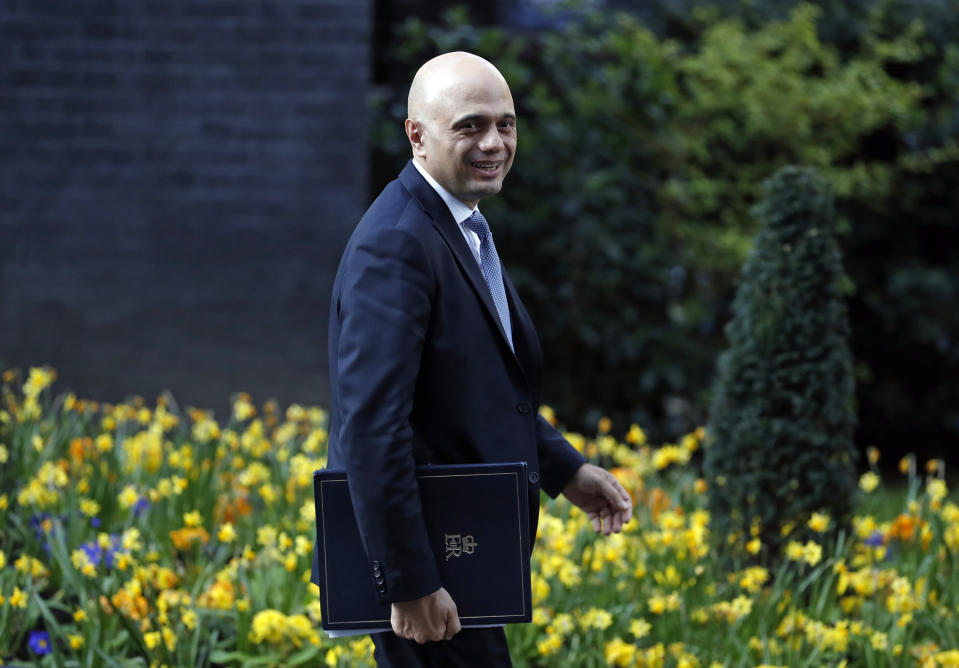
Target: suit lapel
(525, 341)
(443, 221)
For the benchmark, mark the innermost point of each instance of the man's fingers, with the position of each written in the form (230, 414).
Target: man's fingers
(605, 501)
(452, 624)
(397, 625)
(615, 493)
(429, 634)
(594, 505)
(452, 621)
(430, 618)
(618, 521)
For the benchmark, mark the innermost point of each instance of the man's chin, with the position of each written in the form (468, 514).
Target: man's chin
(481, 190)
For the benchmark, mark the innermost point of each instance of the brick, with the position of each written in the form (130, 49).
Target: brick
(166, 169)
(24, 28)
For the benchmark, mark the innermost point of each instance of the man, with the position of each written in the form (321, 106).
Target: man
(434, 359)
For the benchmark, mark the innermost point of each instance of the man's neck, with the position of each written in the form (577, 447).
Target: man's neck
(459, 209)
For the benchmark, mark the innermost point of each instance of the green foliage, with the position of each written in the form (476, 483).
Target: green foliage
(783, 413)
(776, 95)
(625, 219)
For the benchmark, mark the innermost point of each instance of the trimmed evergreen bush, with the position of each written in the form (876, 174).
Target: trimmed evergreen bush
(781, 423)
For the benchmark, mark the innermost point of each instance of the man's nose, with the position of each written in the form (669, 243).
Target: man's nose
(491, 140)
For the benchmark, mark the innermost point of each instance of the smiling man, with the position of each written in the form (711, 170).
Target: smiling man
(462, 125)
(434, 359)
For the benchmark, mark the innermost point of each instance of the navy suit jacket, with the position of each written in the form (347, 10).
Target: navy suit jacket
(421, 372)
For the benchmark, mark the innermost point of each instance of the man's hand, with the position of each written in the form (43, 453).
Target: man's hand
(599, 494)
(432, 617)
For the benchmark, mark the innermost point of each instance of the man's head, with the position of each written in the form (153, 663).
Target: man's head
(462, 125)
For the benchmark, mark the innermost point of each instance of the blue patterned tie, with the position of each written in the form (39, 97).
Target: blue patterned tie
(490, 266)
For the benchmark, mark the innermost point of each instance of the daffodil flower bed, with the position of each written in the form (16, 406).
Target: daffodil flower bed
(142, 535)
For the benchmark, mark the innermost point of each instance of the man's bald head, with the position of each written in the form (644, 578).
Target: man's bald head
(441, 76)
(462, 125)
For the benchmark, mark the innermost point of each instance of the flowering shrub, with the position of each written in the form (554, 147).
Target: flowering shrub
(142, 532)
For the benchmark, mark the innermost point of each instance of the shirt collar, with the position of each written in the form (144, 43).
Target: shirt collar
(459, 210)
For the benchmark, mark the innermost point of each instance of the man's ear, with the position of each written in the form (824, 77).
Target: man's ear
(414, 131)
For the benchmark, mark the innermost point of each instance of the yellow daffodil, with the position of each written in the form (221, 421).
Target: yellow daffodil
(226, 533)
(18, 599)
(596, 618)
(936, 489)
(128, 496)
(635, 435)
(906, 464)
(619, 653)
(549, 645)
(868, 482)
(812, 553)
(819, 522)
(640, 628)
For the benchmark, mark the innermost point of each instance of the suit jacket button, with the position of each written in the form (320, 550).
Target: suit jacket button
(533, 477)
(376, 565)
(522, 408)
(380, 580)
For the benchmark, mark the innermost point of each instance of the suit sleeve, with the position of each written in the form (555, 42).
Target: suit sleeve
(558, 460)
(383, 312)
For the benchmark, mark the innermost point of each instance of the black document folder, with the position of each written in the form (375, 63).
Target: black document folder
(477, 520)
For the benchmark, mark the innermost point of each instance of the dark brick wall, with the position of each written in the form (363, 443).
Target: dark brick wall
(177, 180)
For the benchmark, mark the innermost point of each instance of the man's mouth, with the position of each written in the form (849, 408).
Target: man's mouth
(486, 166)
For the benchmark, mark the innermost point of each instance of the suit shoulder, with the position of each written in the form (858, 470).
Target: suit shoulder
(394, 228)
(394, 209)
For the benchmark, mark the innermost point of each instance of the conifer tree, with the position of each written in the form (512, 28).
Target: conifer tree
(781, 423)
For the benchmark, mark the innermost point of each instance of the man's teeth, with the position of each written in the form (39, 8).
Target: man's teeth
(486, 165)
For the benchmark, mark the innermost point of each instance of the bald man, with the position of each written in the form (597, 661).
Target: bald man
(433, 359)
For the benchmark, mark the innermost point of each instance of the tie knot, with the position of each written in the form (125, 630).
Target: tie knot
(477, 223)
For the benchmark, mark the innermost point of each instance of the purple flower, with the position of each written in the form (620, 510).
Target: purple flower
(39, 642)
(140, 506)
(36, 523)
(98, 554)
(876, 539)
